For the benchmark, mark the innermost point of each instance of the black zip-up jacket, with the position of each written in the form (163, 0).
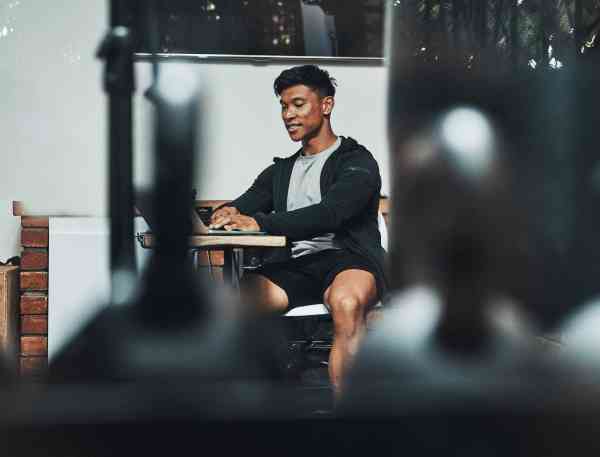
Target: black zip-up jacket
(350, 190)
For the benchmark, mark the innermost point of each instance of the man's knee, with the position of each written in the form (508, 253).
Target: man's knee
(348, 312)
(344, 304)
(264, 294)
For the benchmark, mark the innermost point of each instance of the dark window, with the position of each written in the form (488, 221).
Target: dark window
(334, 28)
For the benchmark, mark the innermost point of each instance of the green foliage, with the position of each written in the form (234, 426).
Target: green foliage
(540, 34)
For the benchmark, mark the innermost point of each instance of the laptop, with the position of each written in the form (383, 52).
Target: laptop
(143, 203)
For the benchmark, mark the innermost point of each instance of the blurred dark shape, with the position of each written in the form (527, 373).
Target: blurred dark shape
(168, 326)
(150, 24)
(443, 57)
(580, 339)
(457, 233)
(456, 259)
(116, 50)
(492, 201)
(8, 371)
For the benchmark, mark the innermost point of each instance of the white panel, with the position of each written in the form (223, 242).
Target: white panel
(10, 230)
(79, 278)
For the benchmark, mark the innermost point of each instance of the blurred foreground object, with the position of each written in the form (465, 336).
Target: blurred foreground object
(170, 325)
(449, 370)
(491, 225)
(456, 259)
(530, 69)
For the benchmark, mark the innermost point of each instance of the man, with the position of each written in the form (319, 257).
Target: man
(325, 200)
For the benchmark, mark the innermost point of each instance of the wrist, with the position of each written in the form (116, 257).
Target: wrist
(259, 220)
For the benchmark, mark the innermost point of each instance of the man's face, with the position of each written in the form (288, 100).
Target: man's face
(303, 111)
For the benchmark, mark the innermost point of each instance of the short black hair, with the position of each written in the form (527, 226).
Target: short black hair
(309, 75)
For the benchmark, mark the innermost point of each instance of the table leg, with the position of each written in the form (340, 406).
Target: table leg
(232, 267)
(196, 259)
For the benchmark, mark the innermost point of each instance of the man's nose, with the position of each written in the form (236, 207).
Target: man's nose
(289, 114)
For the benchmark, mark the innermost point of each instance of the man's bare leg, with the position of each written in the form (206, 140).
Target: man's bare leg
(349, 297)
(263, 295)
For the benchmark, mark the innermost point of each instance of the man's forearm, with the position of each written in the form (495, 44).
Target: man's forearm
(343, 202)
(252, 202)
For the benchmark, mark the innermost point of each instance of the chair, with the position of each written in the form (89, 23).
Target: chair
(310, 332)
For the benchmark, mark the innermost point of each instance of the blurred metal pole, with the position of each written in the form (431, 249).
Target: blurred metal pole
(117, 50)
(170, 296)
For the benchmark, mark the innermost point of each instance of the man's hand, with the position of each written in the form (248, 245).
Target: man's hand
(220, 214)
(237, 222)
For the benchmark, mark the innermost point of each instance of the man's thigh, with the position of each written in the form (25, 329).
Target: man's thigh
(263, 294)
(306, 279)
(350, 276)
(292, 280)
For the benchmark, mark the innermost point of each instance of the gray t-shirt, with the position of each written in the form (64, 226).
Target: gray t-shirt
(305, 190)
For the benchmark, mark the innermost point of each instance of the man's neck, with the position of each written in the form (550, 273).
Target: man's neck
(319, 143)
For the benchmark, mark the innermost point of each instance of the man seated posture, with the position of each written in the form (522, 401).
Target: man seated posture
(325, 200)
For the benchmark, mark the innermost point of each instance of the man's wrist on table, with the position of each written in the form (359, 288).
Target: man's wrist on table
(258, 218)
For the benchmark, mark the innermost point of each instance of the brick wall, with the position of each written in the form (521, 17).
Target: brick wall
(33, 355)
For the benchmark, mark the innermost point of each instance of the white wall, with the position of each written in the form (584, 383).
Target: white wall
(51, 110)
(243, 127)
(53, 120)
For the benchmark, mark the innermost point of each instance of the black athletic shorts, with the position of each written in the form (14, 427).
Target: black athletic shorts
(306, 278)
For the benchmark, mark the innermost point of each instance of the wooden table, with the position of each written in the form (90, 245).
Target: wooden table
(232, 246)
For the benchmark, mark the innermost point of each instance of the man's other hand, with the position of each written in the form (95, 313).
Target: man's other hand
(220, 214)
(237, 222)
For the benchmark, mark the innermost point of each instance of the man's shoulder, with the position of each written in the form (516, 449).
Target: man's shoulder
(352, 148)
(354, 156)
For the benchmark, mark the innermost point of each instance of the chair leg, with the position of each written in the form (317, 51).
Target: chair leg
(308, 346)
(295, 361)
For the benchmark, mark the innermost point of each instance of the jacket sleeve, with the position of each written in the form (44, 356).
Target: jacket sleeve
(259, 197)
(355, 184)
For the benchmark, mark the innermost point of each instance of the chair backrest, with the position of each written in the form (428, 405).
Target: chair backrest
(383, 230)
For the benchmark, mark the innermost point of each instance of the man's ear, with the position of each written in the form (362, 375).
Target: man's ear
(327, 105)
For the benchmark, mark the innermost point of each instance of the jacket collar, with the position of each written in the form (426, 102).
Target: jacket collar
(346, 145)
